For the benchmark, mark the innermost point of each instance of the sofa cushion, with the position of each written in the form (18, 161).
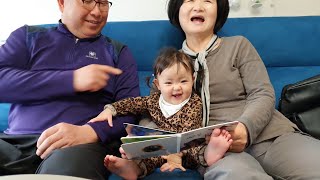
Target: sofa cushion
(175, 175)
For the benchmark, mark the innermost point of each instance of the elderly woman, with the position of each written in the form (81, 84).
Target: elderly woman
(236, 86)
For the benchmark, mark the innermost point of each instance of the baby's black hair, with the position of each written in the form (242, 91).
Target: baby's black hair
(169, 57)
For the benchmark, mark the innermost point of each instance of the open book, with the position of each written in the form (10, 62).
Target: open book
(143, 142)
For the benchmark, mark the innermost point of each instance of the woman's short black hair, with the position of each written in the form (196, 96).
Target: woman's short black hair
(222, 14)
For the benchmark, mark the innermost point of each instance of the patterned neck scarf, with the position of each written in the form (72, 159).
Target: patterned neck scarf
(201, 84)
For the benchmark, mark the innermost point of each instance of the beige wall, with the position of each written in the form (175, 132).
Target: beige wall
(277, 8)
(135, 9)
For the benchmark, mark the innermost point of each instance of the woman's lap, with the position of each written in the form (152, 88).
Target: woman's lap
(240, 166)
(293, 155)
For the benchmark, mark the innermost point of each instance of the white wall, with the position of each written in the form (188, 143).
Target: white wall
(278, 8)
(14, 14)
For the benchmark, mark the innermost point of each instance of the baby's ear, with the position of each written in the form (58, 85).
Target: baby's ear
(156, 82)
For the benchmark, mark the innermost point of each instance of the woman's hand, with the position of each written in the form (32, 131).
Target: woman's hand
(104, 115)
(240, 138)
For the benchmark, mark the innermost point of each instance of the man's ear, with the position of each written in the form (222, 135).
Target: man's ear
(156, 82)
(61, 5)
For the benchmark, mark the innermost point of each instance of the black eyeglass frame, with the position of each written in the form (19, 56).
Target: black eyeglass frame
(97, 2)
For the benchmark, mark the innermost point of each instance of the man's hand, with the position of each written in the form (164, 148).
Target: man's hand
(64, 135)
(239, 137)
(93, 77)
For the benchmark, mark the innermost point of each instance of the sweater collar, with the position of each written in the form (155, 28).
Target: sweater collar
(63, 29)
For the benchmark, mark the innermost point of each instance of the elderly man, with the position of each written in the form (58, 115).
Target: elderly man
(57, 79)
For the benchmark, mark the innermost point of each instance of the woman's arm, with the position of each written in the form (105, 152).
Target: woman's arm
(260, 98)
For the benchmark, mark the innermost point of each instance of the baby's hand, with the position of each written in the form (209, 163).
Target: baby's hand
(174, 161)
(123, 154)
(104, 115)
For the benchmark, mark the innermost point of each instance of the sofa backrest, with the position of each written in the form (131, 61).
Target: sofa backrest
(280, 41)
(288, 45)
(144, 38)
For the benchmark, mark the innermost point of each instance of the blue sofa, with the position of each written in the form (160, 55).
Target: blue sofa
(287, 45)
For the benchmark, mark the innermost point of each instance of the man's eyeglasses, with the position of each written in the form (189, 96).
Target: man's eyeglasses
(90, 4)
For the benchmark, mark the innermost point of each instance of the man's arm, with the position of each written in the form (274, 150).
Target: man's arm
(126, 85)
(65, 135)
(20, 84)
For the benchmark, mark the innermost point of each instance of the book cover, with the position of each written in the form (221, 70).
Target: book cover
(151, 148)
(136, 130)
(160, 142)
